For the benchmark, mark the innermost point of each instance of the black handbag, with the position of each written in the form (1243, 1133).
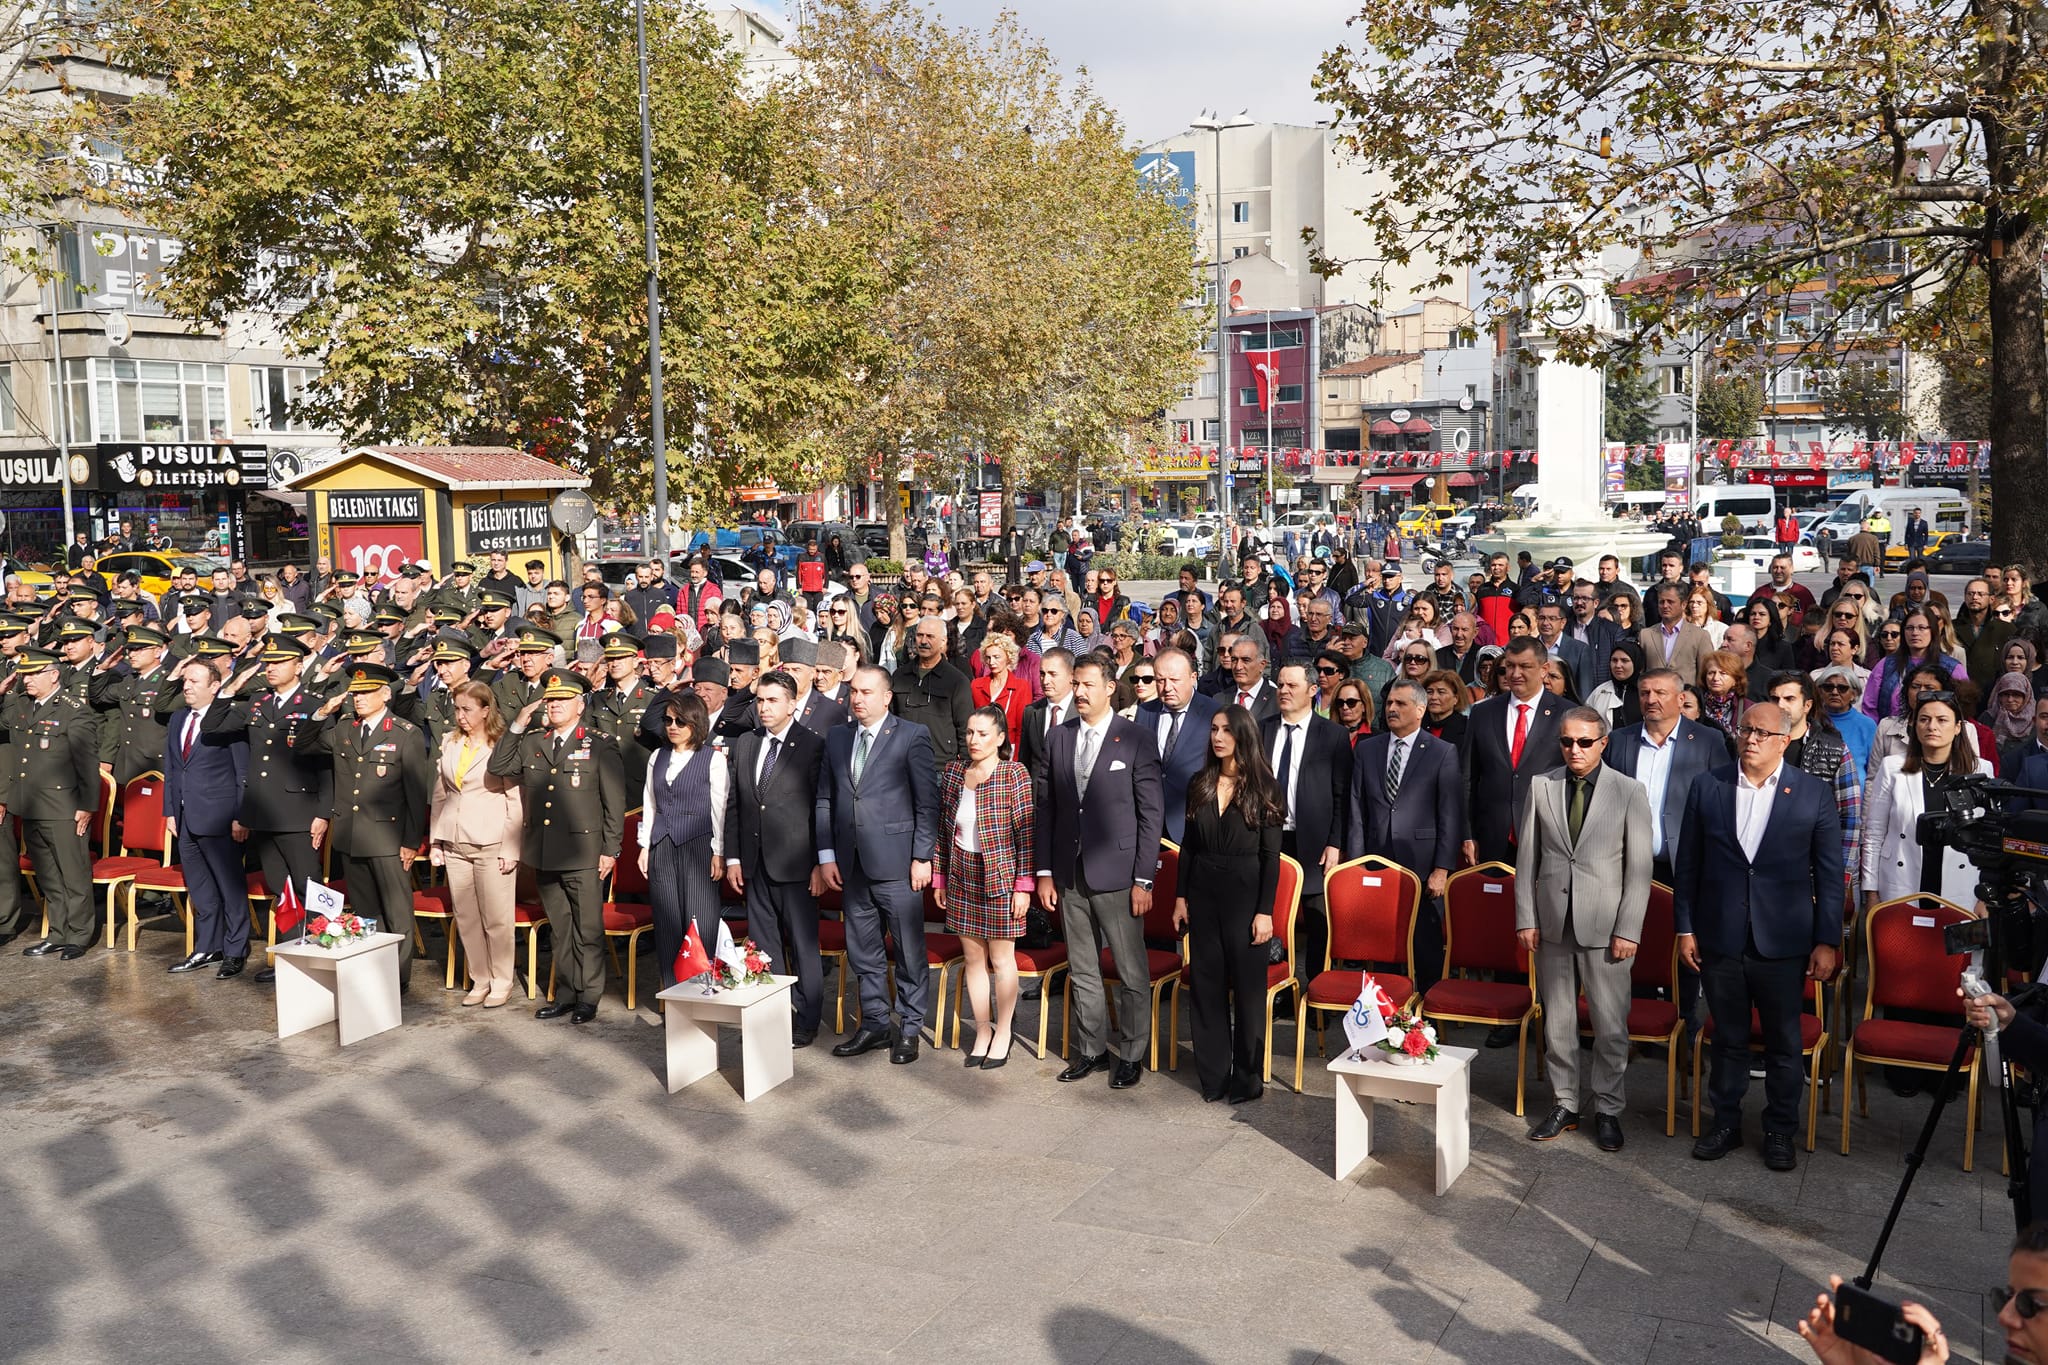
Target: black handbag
(1037, 927)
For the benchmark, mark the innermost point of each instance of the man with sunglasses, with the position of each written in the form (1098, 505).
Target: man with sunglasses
(1757, 907)
(1052, 631)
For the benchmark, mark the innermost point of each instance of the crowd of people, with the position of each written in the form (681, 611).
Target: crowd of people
(1010, 755)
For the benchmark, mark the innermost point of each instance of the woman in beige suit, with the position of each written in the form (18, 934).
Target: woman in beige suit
(476, 831)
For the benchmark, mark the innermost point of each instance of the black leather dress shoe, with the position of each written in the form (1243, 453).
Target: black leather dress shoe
(863, 1040)
(1126, 1075)
(1502, 1035)
(43, 949)
(64, 952)
(195, 962)
(557, 1010)
(1082, 1067)
(1245, 1094)
(1717, 1144)
(583, 1013)
(1555, 1125)
(265, 977)
(229, 966)
(1222, 1092)
(1779, 1154)
(802, 1037)
(905, 1050)
(1607, 1132)
(9, 937)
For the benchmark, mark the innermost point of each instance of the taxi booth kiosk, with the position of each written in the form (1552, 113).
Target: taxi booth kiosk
(378, 508)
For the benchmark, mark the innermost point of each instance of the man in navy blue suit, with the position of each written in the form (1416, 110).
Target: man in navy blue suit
(1758, 911)
(1410, 810)
(203, 777)
(877, 818)
(1179, 724)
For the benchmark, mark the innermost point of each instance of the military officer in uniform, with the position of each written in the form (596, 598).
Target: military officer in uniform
(519, 686)
(78, 653)
(133, 701)
(430, 704)
(459, 593)
(14, 634)
(493, 619)
(619, 706)
(54, 752)
(288, 795)
(575, 801)
(383, 782)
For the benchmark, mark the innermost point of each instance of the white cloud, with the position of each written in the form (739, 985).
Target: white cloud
(1159, 63)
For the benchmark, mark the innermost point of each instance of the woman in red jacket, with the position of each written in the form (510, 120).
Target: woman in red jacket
(1004, 687)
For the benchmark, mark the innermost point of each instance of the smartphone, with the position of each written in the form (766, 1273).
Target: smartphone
(1863, 1319)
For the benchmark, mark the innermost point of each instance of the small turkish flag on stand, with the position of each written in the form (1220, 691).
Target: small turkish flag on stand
(691, 959)
(290, 914)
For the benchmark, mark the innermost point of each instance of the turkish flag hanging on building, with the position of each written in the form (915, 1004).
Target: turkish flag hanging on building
(1265, 367)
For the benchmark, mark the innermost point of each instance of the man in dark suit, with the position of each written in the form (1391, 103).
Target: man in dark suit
(770, 858)
(1098, 848)
(1758, 911)
(1598, 634)
(1048, 713)
(574, 788)
(1178, 722)
(1562, 647)
(877, 819)
(383, 783)
(289, 794)
(203, 777)
(1311, 759)
(1248, 685)
(1410, 812)
(815, 711)
(1511, 738)
(1665, 752)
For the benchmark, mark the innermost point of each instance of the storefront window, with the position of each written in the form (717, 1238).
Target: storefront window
(113, 399)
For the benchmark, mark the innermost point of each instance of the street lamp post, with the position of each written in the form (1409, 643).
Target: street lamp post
(657, 546)
(1216, 123)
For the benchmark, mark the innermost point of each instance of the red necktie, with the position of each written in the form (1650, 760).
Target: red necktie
(1244, 699)
(1521, 734)
(191, 725)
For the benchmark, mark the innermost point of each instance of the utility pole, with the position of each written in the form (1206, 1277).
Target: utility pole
(1215, 123)
(657, 547)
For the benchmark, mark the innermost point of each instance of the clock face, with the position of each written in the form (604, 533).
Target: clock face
(1564, 306)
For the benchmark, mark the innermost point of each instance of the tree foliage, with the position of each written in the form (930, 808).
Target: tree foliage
(1730, 407)
(1865, 399)
(442, 202)
(1631, 399)
(1037, 314)
(1858, 154)
(43, 119)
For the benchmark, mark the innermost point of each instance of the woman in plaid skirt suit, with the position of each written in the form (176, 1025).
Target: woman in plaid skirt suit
(983, 877)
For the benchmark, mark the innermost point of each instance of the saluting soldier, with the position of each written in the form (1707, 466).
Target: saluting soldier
(619, 705)
(493, 619)
(54, 747)
(134, 697)
(459, 593)
(78, 653)
(737, 716)
(14, 636)
(519, 686)
(575, 801)
(383, 779)
(288, 795)
(430, 703)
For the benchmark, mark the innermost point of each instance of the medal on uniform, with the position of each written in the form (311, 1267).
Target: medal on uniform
(46, 744)
(380, 770)
(575, 779)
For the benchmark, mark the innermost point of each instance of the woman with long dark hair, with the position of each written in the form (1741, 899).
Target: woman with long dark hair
(1939, 748)
(982, 873)
(1229, 873)
(1773, 649)
(682, 827)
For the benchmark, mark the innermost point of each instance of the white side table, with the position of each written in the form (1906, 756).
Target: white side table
(353, 985)
(1445, 1082)
(762, 1013)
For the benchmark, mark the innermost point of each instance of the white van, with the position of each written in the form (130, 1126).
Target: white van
(1946, 509)
(1756, 504)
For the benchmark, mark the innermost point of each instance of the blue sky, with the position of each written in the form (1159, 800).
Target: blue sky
(1160, 62)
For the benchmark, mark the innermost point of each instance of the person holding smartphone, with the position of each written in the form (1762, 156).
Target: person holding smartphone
(1832, 1348)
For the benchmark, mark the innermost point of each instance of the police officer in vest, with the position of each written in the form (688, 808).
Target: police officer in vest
(383, 780)
(54, 747)
(575, 800)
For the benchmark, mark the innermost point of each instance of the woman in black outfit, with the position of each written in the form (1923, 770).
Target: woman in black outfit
(1229, 872)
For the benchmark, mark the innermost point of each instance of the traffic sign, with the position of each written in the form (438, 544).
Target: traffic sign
(1230, 480)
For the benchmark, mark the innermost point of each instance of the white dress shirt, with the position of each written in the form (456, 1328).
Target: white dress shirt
(1753, 809)
(1653, 770)
(774, 737)
(719, 777)
(1515, 707)
(1290, 738)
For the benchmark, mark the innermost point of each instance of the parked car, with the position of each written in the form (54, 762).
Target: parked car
(156, 569)
(1970, 557)
(1761, 550)
(1896, 554)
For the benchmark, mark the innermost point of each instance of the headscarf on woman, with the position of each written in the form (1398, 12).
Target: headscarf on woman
(2007, 728)
(1631, 696)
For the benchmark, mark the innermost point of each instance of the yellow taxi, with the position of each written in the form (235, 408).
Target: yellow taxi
(1425, 520)
(1895, 554)
(156, 569)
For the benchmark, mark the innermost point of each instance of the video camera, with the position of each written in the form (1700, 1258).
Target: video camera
(2010, 849)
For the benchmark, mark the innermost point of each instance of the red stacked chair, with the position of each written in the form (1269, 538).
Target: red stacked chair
(1655, 1019)
(1372, 905)
(1164, 968)
(1911, 969)
(1479, 936)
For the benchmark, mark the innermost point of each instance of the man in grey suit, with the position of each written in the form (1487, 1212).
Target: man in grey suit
(1674, 642)
(877, 817)
(1582, 883)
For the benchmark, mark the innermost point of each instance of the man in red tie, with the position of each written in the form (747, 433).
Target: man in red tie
(203, 779)
(1509, 739)
(1249, 688)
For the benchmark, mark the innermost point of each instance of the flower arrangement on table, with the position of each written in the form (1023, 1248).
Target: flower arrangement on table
(1375, 1023)
(332, 930)
(753, 969)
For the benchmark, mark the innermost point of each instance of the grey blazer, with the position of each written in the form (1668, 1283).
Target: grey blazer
(1604, 883)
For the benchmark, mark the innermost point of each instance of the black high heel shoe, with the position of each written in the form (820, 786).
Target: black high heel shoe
(975, 1059)
(991, 1062)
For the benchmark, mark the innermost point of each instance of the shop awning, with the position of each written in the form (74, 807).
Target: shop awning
(1384, 426)
(1417, 426)
(1462, 480)
(1389, 483)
